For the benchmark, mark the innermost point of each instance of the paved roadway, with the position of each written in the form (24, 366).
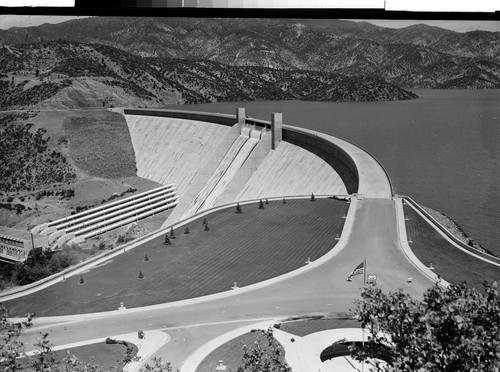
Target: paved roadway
(321, 290)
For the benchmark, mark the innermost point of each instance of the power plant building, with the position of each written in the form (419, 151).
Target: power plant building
(15, 245)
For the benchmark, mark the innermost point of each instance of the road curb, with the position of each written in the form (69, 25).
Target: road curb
(403, 242)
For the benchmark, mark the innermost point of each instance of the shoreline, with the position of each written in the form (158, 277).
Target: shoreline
(454, 228)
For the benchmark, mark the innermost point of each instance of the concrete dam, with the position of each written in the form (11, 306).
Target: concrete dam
(219, 159)
(206, 160)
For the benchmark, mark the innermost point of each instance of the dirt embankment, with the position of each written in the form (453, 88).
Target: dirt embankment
(100, 144)
(94, 144)
(456, 230)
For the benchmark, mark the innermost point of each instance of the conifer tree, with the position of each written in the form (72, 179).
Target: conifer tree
(167, 240)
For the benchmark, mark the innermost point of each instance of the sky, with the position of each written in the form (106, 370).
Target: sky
(459, 26)
(7, 21)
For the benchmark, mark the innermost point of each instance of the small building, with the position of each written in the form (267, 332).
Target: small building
(16, 244)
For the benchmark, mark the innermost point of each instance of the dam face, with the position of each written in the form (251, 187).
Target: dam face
(222, 159)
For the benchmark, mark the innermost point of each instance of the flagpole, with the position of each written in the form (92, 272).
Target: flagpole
(364, 283)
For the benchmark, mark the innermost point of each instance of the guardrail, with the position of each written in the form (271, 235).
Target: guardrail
(436, 224)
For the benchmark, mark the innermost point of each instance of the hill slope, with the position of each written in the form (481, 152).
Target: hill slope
(415, 56)
(61, 74)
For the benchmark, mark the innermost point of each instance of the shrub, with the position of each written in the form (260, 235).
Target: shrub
(81, 281)
(206, 227)
(146, 258)
(238, 208)
(261, 204)
(167, 240)
(205, 221)
(141, 275)
(312, 197)
(186, 230)
(267, 201)
(284, 201)
(172, 233)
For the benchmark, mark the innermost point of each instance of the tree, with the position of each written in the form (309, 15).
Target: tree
(146, 258)
(167, 240)
(158, 365)
(269, 357)
(172, 233)
(44, 358)
(206, 227)
(186, 230)
(452, 329)
(12, 349)
(12, 346)
(238, 208)
(312, 197)
(261, 204)
(141, 275)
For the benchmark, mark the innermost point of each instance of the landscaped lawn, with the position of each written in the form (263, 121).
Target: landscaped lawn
(451, 263)
(246, 248)
(307, 326)
(108, 357)
(232, 351)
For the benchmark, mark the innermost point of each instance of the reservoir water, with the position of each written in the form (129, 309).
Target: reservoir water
(442, 149)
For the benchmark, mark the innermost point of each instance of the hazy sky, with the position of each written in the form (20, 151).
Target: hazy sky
(460, 26)
(7, 21)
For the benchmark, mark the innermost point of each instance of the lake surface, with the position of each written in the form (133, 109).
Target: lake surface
(442, 149)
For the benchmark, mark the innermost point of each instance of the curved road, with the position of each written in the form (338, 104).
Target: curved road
(322, 290)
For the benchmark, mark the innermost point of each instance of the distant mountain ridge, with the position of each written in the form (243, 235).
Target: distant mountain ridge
(63, 74)
(418, 56)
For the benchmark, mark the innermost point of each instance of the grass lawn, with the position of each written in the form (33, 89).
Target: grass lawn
(232, 351)
(246, 248)
(108, 357)
(308, 326)
(451, 263)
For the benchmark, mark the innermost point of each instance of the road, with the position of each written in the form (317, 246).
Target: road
(321, 290)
